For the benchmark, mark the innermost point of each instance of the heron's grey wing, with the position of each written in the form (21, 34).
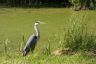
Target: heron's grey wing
(32, 39)
(30, 43)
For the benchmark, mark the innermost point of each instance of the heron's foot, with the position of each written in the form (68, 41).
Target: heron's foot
(24, 53)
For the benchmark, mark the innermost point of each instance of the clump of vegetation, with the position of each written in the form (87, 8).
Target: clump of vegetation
(47, 51)
(78, 37)
(83, 4)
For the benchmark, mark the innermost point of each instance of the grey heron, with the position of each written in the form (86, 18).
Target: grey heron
(32, 41)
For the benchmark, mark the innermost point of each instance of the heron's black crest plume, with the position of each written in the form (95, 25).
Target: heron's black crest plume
(38, 22)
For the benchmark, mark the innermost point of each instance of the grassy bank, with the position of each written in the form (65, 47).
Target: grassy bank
(15, 21)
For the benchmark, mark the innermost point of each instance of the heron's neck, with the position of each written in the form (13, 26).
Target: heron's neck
(37, 30)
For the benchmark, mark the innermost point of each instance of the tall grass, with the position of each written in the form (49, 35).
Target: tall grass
(5, 46)
(79, 36)
(47, 49)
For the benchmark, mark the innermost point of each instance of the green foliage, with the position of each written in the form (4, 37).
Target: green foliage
(47, 50)
(78, 37)
(35, 3)
(84, 4)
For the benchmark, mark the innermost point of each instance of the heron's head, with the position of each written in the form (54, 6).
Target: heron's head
(39, 22)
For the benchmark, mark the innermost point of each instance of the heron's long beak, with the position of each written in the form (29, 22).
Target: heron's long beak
(42, 23)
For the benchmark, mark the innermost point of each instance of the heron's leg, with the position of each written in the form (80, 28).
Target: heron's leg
(24, 53)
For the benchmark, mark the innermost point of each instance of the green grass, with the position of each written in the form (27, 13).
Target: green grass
(15, 21)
